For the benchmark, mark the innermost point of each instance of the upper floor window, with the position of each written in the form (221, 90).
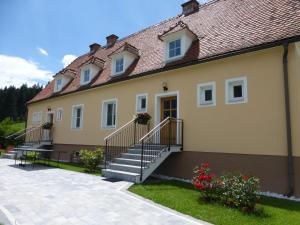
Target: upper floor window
(58, 84)
(77, 117)
(236, 90)
(206, 94)
(109, 111)
(174, 48)
(119, 65)
(86, 76)
(141, 103)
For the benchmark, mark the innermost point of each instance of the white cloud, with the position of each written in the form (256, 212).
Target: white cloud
(67, 59)
(42, 51)
(17, 71)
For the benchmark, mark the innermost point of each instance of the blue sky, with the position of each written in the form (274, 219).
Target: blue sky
(35, 35)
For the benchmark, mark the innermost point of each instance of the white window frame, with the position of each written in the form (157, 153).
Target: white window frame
(114, 73)
(82, 82)
(201, 88)
(38, 115)
(59, 111)
(138, 104)
(104, 113)
(229, 84)
(89, 73)
(73, 127)
(168, 49)
(56, 88)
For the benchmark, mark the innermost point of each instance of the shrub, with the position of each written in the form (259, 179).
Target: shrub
(237, 191)
(206, 182)
(240, 191)
(91, 159)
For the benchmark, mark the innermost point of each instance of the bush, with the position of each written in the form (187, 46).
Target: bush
(91, 159)
(240, 191)
(206, 182)
(237, 191)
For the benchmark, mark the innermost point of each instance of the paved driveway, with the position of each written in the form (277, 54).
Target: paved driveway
(48, 196)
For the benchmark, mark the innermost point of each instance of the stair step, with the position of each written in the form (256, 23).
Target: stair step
(149, 146)
(136, 156)
(139, 151)
(122, 175)
(126, 168)
(133, 162)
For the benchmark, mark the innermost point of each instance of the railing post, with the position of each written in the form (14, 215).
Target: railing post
(134, 132)
(142, 158)
(105, 155)
(170, 134)
(181, 135)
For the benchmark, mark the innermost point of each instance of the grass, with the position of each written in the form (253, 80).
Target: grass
(69, 166)
(184, 198)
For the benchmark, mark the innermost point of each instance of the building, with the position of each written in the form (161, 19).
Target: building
(229, 69)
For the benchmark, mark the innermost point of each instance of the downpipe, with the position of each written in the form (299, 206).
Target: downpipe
(291, 178)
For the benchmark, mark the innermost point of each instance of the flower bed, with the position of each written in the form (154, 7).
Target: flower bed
(233, 190)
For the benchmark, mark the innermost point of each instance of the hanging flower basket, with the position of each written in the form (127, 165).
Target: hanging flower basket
(47, 126)
(143, 118)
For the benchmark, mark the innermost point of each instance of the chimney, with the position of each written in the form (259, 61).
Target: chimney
(111, 40)
(94, 47)
(190, 7)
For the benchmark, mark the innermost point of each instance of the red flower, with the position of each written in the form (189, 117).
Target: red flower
(245, 178)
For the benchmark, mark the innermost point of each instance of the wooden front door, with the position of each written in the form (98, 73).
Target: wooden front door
(168, 108)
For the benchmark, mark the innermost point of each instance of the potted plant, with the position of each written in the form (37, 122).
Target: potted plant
(47, 126)
(143, 118)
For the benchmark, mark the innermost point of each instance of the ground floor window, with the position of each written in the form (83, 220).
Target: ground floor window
(59, 113)
(236, 90)
(37, 117)
(206, 94)
(141, 103)
(77, 117)
(109, 112)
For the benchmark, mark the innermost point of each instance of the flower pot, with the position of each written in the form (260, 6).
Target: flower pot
(142, 121)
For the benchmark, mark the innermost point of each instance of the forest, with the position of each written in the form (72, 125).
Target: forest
(13, 101)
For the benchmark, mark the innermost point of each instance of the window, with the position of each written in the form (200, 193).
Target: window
(37, 117)
(175, 48)
(109, 111)
(206, 94)
(119, 65)
(236, 90)
(59, 113)
(58, 85)
(77, 117)
(86, 76)
(141, 103)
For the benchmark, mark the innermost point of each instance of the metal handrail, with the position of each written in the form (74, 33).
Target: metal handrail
(33, 129)
(158, 140)
(20, 131)
(152, 130)
(121, 128)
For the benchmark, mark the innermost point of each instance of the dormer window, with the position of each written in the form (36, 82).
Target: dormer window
(178, 40)
(89, 69)
(58, 84)
(174, 48)
(86, 76)
(122, 58)
(119, 67)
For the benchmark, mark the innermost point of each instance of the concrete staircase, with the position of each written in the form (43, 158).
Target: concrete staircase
(128, 165)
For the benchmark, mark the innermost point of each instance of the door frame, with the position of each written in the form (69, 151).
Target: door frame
(47, 116)
(157, 112)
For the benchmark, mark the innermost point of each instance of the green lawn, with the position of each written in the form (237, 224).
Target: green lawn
(69, 166)
(184, 198)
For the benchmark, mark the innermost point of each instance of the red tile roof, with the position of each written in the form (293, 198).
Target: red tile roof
(222, 26)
